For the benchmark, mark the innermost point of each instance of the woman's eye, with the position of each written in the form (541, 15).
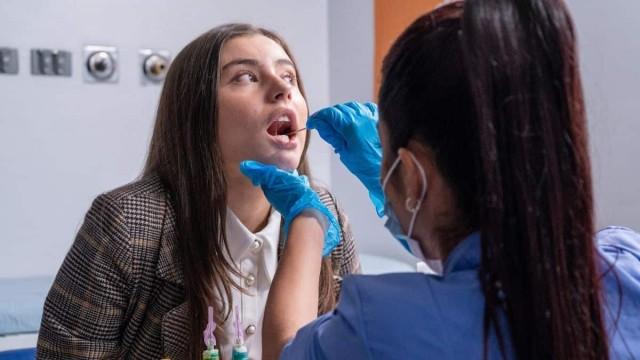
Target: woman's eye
(245, 78)
(290, 78)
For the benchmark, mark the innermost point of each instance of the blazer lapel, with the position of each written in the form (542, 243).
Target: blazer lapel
(175, 323)
(169, 263)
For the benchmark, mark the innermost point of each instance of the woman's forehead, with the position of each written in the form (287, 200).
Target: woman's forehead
(255, 46)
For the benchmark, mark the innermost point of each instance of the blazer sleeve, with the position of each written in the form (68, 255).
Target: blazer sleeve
(347, 257)
(84, 312)
(344, 257)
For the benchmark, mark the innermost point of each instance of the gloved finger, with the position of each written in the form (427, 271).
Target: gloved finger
(348, 111)
(340, 116)
(269, 176)
(356, 108)
(256, 171)
(322, 115)
(282, 180)
(335, 115)
(373, 108)
(368, 110)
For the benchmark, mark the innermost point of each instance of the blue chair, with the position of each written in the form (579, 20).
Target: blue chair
(21, 301)
(19, 354)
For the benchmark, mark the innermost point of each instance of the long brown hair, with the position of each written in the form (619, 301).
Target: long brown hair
(493, 88)
(185, 154)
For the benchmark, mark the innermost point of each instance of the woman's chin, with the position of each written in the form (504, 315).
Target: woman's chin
(285, 161)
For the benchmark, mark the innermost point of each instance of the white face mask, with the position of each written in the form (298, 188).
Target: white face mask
(395, 228)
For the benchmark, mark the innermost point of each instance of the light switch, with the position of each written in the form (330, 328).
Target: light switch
(8, 60)
(50, 62)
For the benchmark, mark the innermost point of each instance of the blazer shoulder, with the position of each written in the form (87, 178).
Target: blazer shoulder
(147, 186)
(144, 209)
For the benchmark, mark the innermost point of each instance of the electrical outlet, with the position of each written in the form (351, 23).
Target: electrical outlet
(8, 60)
(50, 62)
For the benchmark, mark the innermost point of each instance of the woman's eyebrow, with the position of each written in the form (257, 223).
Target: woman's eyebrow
(284, 61)
(251, 62)
(254, 62)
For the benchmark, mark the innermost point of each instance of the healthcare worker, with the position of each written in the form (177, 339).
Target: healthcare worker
(483, 157)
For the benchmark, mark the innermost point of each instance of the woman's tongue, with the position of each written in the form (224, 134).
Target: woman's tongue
(279, 129)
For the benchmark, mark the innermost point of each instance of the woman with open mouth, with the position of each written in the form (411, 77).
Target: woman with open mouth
(193, 232)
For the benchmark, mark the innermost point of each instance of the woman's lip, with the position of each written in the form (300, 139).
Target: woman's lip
(285, 142)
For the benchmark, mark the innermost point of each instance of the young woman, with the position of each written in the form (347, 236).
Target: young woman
(483, 153)
(192, 232)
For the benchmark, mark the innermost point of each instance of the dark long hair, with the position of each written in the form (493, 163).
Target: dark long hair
(185, 154)
(493, 88)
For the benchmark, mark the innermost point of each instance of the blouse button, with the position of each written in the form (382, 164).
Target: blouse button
(256, 245)
(250, 330)
(250, 280)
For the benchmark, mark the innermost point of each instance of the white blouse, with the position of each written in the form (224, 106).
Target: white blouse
(255, 255)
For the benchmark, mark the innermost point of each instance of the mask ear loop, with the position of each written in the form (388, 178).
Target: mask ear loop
(389, 172)
(414, 210)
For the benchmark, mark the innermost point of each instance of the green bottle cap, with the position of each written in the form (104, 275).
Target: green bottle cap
(240, 352)
(212, 354)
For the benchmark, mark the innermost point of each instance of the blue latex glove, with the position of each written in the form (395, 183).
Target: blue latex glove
(351, 128)
(291, 194)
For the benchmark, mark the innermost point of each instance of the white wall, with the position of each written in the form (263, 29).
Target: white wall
(62, 141)
(610, 56)
(351, 49)
(610, 49)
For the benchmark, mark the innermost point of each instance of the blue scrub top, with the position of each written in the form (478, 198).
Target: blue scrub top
(416, 316)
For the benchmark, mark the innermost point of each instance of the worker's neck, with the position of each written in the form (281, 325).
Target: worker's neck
(247, 202)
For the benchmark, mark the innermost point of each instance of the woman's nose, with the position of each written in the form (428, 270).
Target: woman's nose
(280, 90)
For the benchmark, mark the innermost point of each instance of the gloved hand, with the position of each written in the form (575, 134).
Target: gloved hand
(291, 195)
(351, 128)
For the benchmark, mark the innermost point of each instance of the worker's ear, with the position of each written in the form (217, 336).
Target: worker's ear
(413, 177)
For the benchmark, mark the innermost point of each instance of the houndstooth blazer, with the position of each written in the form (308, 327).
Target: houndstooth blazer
(119, 292)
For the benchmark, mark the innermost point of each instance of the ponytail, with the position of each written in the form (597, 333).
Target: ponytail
(493, 88)
(538, 258)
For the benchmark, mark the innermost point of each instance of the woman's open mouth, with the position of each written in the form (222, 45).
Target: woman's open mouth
(282, 129)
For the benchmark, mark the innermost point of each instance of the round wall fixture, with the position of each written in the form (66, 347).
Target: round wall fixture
(155, 64)
(100, 64)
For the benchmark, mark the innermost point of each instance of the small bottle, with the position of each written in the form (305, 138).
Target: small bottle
(240, 352)
(211, 353)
